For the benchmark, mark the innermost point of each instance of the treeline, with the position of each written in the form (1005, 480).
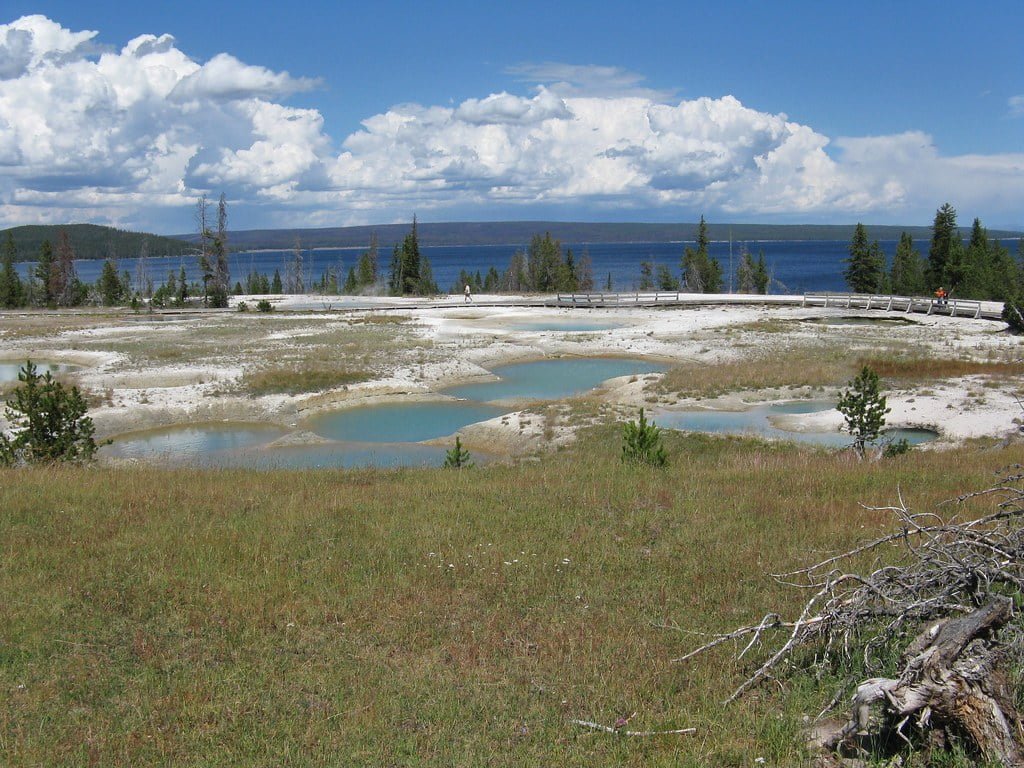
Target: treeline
(93, 241)
(505, 232)
(702, 273)
(979, 268)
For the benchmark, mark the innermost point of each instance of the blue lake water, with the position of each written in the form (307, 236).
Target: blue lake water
(192, 444)
(795, 266)
(757, 422)
(552, 379)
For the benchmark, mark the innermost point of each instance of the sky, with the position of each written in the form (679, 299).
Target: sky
(310, 114)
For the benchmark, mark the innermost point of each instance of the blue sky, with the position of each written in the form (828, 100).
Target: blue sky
(784, 112)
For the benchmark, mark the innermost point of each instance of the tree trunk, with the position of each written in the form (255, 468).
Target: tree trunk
(953, 682)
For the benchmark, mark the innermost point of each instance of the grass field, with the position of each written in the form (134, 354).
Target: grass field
(423, 617)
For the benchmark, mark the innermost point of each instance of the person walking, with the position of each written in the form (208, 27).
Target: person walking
(469, 295)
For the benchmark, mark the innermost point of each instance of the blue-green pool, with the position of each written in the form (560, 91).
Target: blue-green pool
(400, 422)
(757, 421)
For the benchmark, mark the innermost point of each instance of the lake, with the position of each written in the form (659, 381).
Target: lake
(796, 266)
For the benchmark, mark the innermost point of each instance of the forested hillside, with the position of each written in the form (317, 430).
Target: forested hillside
(92, 241)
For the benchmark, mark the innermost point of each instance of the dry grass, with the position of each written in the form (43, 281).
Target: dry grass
(291, 380)
(418, 617)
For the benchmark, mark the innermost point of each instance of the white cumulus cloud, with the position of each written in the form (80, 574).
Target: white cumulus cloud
(132, 136)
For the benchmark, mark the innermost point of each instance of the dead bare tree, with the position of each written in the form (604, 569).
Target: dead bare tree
(948, 583)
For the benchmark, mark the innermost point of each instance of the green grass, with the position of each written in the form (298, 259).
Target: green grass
(421, 617)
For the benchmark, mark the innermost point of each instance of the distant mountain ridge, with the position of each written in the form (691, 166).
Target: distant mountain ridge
(520, 232)
(93, 241)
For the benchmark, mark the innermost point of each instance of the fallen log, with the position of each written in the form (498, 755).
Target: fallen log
(953, 687)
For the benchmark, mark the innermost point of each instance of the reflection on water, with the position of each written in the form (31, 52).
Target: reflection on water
(757, 421)
(552, 379)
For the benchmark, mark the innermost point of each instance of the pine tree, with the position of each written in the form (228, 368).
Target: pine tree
(49, 423)
(701, 273)
(945, 237)
(109, 285)
(367, 268)
(44, 270)
(866, 270)
(641, 443)
(646, 276)
(276, 286)
(220, 268)
(12, 293)
(863, 407)
(761, 276)
(907, 275)
(458, 457)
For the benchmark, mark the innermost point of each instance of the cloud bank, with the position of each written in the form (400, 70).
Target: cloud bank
(133, 136)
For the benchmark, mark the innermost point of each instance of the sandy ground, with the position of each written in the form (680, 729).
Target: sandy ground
(458, 342)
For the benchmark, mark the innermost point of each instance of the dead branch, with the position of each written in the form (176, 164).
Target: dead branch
(933, 568)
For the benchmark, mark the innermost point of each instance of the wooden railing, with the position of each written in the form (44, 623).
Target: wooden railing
(890, 303)
(616, 299)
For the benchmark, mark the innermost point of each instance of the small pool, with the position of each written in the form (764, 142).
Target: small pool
(191, 444)
(10, 371)
(400, 422)
(552, 379)
(757, 421)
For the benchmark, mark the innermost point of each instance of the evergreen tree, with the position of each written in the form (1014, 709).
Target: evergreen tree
(745, 271)
(516, 278)
(12, 293)
(863, 407)
(366, 274)
(907, 275)
(608, 283)
(543, 259)
(701, 273)
(945, 237)
(411, 263)
(458, 457)
(761, 276)
(109, 285)
(49, 423)
(44, 269)
(866, 266)
(182, 296)
(492, 281)
(646, 276)
(276, 286)
(351, 282)
(665, 280)
(220, 268)
(641, 443)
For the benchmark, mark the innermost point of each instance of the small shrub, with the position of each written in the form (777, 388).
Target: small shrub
(1013, 314)
(457, 457)
(896, 448)
(243, 306)
(642, 443)
(48, 422)
(263, 305)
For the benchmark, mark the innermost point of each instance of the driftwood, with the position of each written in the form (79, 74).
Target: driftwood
(950, 576)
